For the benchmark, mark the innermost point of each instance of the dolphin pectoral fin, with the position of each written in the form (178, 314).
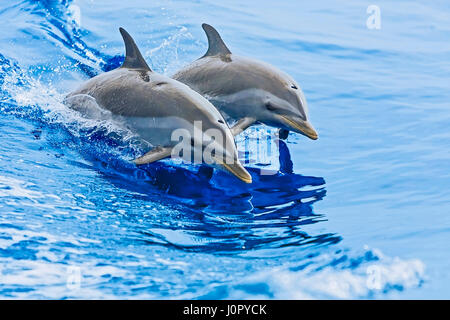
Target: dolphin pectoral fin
(241, 125)
(153, 155)
(133, 57)
(216, 46)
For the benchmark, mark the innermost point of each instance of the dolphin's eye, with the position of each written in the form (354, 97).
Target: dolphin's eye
(270, 107)
(220, 121)
(294, 87)
(145, 76)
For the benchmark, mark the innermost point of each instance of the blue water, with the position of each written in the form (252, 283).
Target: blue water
(363, 212)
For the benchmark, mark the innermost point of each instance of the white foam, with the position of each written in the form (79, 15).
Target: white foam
(333, 282)
(35, 96)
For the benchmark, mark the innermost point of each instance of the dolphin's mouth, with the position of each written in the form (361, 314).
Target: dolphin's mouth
(301, 126)
(239, 171)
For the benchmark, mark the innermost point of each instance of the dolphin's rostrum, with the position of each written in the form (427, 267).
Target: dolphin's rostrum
(247, 91)
(154, 106)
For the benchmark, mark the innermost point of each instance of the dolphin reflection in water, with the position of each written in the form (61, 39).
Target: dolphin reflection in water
(221, 214)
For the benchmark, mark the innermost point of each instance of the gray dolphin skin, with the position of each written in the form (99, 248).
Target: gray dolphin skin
(246, 90)
(153, 106)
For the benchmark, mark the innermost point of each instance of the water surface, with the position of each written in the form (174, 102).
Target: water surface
(363, 212)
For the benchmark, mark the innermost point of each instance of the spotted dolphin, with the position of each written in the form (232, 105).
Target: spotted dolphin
(154, 106)
(247, 91)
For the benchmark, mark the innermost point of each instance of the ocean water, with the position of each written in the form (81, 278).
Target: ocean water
(361, 213)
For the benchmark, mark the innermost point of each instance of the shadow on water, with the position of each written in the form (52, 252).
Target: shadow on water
(221, 214)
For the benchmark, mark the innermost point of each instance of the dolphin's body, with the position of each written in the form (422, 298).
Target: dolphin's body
(246, 90)
(154, 106)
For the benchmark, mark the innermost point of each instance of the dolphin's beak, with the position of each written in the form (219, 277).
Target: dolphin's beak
(300, 126)
(239, 171)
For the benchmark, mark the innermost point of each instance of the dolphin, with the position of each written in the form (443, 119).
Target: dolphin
(154, 106)
(247, 91)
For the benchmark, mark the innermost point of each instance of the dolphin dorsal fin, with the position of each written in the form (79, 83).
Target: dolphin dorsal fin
(216, 46)
(133, 57)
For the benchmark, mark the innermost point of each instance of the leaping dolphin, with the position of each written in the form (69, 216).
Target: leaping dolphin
(246, 90)
(153, 106)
